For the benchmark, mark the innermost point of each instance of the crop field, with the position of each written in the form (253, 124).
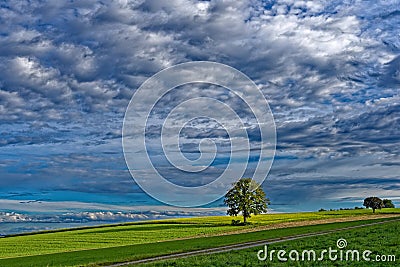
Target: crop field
(118, 243)
(149, 232)
(103, 237)
(267, 219)
(382, 240)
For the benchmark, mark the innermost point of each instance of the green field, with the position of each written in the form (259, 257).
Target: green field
(382, 240)
(140, 240)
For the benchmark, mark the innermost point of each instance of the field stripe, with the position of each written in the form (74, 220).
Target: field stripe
(245, 245)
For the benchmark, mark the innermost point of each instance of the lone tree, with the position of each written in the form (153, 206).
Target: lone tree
(373, 203)
(246, 197)
(387, 203)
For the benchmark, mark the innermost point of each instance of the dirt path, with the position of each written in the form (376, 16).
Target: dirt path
(309, 222)
(256, 243)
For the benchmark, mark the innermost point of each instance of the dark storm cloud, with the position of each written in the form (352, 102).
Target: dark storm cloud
(330, 71)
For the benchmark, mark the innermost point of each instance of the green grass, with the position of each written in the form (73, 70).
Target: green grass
(139, 251)
(115, 237)
(149, 232)
(289, 217)
(380, 239)
(103, 237)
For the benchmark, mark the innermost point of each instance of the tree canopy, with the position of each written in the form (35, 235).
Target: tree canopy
(373, 203)
(388, 203)
(246, 198)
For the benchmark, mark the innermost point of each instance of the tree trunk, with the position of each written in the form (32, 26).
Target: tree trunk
(244, 219)
(373, 210)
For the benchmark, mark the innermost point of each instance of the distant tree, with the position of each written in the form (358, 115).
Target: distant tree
(373, 203)
(246, 198)
(388, 203)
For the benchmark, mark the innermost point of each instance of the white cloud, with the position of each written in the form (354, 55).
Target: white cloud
(34, 211)
(330, 70)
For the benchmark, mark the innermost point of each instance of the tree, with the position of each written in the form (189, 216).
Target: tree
(246, 197)
(373, 203)
(387, 203)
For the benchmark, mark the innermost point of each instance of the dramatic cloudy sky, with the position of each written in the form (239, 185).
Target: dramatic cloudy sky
(329, 69)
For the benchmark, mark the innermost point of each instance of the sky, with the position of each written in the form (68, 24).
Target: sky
(330, 71)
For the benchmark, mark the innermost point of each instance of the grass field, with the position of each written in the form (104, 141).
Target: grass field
(139, 240)
(382, 240)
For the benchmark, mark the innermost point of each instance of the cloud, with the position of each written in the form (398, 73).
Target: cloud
(33, 215)
(330, 71)
(38, 211)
